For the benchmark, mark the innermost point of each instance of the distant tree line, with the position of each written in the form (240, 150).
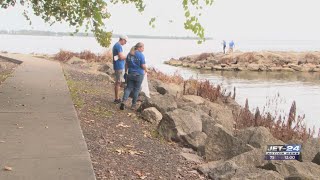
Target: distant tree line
(50, 33)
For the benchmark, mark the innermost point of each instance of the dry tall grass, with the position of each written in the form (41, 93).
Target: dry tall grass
(176, 78)
(283, 128)
(89, 56)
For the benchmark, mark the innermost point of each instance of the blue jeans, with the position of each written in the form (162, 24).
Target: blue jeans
(134, 82)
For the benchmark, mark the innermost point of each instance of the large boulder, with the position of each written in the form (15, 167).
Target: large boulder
(106, 68)
(290, 169)
(230, 170)
(316, 159)
(255, 173)
(309, 149)
(258, 137)
(221, 144)
(194, 99)
(167, 88)
(152, 115)
(192, 157)
(254, 67)
(225, 170)
(295, 67)
(196, 141)
(221, 113)
(163, 103)
(178, 123)
(208, 123)
(250, 159)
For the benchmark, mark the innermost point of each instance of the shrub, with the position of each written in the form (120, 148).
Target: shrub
(87, 55)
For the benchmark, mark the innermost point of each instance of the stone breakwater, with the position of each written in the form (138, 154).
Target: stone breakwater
(252, 61)
(206, 130)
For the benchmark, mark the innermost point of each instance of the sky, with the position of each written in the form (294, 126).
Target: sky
(230, 19)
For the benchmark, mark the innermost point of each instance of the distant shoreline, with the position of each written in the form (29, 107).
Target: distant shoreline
(60, 34)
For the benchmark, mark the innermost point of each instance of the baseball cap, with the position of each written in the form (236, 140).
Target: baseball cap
(124, 37)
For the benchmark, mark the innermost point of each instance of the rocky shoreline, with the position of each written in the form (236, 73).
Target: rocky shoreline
(206, 131)
(207, 128)
(252, 61)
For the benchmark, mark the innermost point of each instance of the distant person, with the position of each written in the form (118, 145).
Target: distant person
(224, 45)
(136, 68)
(118, 65)
(231, 46)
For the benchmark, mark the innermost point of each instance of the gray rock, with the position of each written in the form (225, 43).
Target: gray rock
(192, 157)
(178, 123)
(309, 149)
(254, 67)
(152, 115)
(258, 137)
(174, 62)
(295, 67)
(167, 88)
(222, 114)
(221, 144)
(233, 170)
(296, 169)
(104, 76)
(256, 173)
(195, 140)
(163, 103)
(208, 123)
(187, 150)
(226, 170)
(316, 159)
(192, 98)
(76, 60)
(248, 159)
(106, 68)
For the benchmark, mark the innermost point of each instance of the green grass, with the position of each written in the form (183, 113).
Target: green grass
(74, 88)
(4, 76)
(101, 111)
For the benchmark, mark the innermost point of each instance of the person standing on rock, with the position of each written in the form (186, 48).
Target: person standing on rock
(135, 70)
(224, 45)
(118, 65)
(231, 46)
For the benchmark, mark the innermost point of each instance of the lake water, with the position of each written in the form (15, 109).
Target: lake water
(260, 88)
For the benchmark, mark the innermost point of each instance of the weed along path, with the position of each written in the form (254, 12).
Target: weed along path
(40, 134)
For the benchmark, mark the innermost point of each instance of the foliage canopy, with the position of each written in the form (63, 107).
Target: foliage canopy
(92, 13)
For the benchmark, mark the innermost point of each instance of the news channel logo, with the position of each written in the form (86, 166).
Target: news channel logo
(283, 152)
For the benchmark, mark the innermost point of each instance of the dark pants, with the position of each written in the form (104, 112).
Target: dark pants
(134, 82)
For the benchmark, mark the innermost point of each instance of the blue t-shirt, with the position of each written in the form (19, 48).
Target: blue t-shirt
(118, 64)
(135, 62)
(231, 44)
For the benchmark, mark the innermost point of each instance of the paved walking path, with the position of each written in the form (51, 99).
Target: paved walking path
(40, 134)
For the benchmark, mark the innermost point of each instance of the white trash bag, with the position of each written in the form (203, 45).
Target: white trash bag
(145, 86)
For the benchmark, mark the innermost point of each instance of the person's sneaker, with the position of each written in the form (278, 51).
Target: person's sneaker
(117, 101)
(122, 106)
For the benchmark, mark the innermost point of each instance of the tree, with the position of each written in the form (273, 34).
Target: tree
(92, 13)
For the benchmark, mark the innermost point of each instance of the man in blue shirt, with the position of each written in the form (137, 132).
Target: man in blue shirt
(118, 65)
(231, 46)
